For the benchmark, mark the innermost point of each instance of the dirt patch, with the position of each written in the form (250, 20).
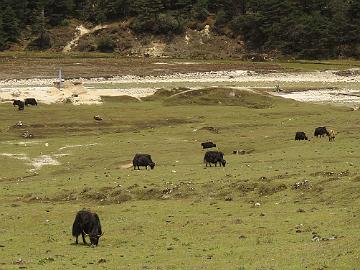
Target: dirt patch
(126, 166)
(37, 162)
(43, 160)
(15, 156)
(210, 129)
(74, 92)
(343, 96)
(76, 146)
(23, 143)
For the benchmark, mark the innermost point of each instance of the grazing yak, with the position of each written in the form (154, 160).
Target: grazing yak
(300, 136)
(19, 103)
(331, 135)
(214, 157)
(87, 223)
(30, 101)
(143, 160)
(208, 145)
(320, 132)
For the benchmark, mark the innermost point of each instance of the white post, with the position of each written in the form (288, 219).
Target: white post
(60, 79)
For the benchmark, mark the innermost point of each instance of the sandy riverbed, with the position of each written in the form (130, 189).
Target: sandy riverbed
(89, 91)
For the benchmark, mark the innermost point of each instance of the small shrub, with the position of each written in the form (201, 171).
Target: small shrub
(125, 44)
(221, 18)
(65, 22)
(86, 46)
(168, 24)
(43, 42)
(106, 44)
(141, 25)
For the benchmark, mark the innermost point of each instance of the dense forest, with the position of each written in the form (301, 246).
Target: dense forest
(305, 28)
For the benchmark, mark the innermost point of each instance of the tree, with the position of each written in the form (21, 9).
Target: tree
(353, 27)
(250, 27)
(2, 35)
(200, 10)
(10, 25)
(20, 8)
(147, 15)
(115, 9)
(58, 10)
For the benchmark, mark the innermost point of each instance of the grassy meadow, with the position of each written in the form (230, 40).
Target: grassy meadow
(181, 215)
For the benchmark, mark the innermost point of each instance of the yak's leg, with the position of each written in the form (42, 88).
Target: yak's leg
(83, 237)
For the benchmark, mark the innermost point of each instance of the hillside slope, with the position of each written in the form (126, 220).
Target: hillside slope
(117, 37)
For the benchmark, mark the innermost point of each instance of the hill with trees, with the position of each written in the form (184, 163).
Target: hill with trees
(297, 28)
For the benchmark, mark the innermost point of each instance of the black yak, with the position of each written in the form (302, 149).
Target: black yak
(143, 160)
(19, 103)
(208, 145)
(214, 157)
(300, 136)
(87, 223)
(30, 101)
(320, 132)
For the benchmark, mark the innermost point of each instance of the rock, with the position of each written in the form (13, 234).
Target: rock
(27, 135)
(242, 151)
(302, 185)
(315, 237)
(239, 152)
(19, 261)
(101, 261)
(98, 118)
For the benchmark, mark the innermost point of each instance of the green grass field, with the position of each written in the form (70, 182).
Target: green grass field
(181, 215)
